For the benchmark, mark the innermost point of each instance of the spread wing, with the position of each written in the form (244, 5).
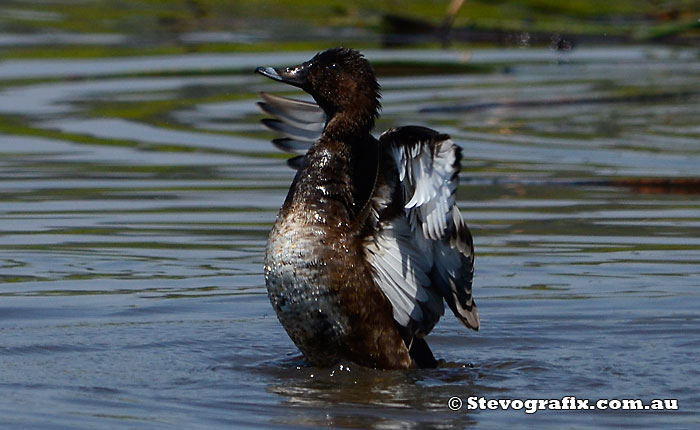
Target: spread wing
(299, 124)
(423, 254)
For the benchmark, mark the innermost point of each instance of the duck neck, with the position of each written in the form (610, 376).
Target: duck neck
(325, 184)
(354, 120)
(341, 127)
(339, 174)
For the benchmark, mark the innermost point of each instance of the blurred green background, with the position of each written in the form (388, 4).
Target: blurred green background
(127, 27)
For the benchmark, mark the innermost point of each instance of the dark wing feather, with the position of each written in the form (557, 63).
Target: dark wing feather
(299, 123)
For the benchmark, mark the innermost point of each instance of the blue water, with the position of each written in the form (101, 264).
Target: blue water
(136, 198)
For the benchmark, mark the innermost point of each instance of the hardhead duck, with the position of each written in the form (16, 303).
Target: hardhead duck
(369, 243)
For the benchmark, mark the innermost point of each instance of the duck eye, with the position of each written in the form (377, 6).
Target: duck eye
(334, 66)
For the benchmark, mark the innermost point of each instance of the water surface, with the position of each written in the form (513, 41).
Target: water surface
(138, 192)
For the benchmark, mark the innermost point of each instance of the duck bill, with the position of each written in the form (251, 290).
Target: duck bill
(295, 76)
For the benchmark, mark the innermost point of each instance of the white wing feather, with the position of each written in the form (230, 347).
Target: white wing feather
(425, 254)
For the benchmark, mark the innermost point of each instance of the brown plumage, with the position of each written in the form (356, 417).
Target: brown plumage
(368, 242)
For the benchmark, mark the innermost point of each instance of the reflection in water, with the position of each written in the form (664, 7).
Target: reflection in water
(349, 396)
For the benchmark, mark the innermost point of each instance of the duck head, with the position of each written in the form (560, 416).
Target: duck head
(341, 81)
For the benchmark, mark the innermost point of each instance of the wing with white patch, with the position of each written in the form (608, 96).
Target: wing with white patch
(299, 123)
(402, 271)
(424, 253)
